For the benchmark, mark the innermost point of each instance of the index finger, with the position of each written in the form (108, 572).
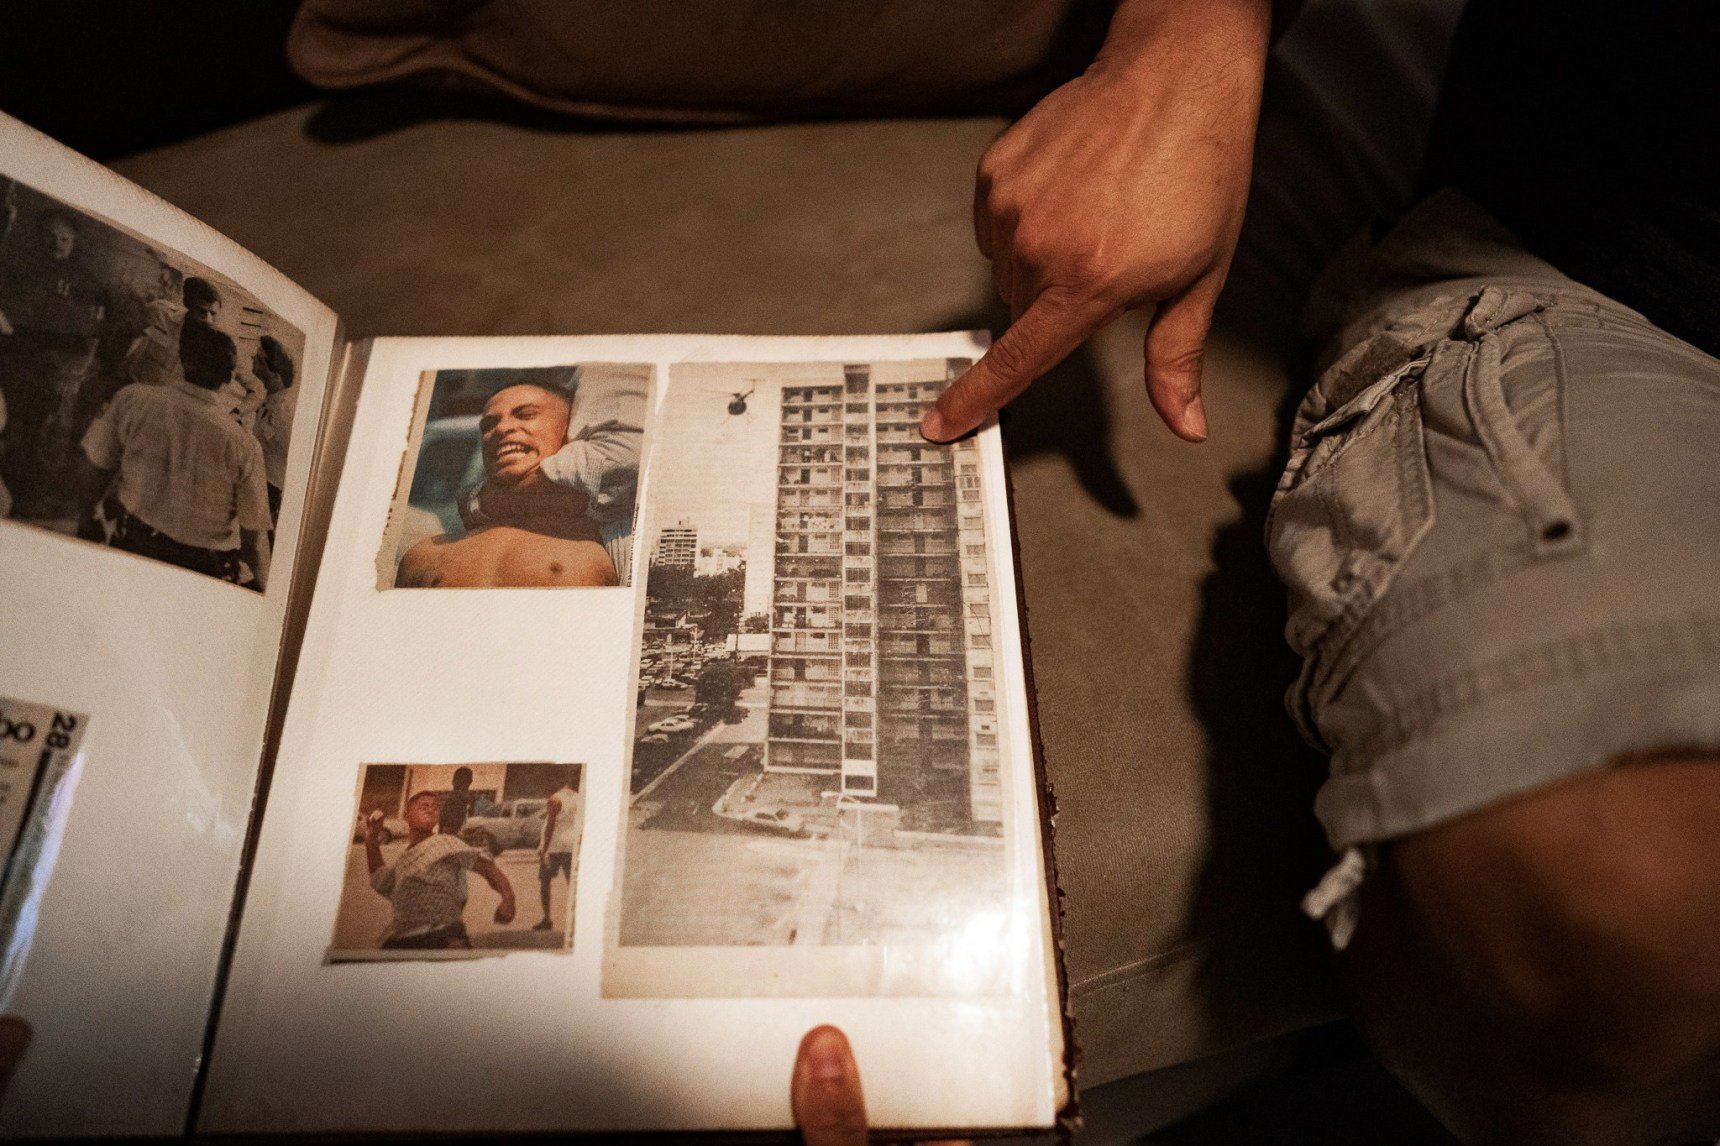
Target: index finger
(1047, 332)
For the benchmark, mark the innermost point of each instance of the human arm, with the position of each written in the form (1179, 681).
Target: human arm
(90, 482)
(552, 812)
(1124, 187)
(252, 514)
(98, 457)
(254, 552)
(373, 850)
(493, 875)
(601, 457)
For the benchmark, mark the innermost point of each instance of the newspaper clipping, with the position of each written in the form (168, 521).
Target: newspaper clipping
(816, 762)
(146, 402)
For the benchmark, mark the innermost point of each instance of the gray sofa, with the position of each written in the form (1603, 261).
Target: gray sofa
(1184, 836)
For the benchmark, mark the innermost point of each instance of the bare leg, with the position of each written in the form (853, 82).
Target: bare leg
(1548, 970)
(546, 876)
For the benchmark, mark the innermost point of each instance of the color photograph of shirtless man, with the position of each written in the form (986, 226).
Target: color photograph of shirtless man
(523, 478)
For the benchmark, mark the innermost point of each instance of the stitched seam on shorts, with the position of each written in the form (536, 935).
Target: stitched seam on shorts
(1562, 380)
(1404, 606)
(1597, 650)
(1355, 601)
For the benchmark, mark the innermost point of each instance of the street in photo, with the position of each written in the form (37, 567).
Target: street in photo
(816, 760)
(146, 402)
(448, 860)
(519, 478)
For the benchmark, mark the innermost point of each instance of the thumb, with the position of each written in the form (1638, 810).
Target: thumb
(829, 1107)
(1175, 351)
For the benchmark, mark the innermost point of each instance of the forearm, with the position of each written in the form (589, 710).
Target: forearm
(372, 853)
(492, 875)
(1226, 39)
(605, 467)
(92, 482)
(254, 549)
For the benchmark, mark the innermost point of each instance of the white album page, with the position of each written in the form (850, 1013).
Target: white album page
(142, 599)
(661, 699)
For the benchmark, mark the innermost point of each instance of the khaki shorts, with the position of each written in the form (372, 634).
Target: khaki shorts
(1500, 531)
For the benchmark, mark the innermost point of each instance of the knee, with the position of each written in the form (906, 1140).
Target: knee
(1583, 920)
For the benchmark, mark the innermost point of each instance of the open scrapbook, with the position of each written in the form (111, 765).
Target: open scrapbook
(493, 735)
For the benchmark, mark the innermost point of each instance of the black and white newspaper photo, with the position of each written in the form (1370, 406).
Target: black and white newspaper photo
(146, 401)
(451, 860)
(520, 477)
(816, 752)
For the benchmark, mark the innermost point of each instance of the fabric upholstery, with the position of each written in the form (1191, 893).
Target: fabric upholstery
(726, 61)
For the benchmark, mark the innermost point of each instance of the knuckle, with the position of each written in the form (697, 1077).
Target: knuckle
(1185, 362)
(1187, 358)
(1011, 357)
(1089, 273)
(1034, 243)
(1072, 271)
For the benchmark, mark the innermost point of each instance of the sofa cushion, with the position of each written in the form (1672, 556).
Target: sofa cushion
(725, 61)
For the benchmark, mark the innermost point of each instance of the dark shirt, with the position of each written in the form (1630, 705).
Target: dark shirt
(42, 295)
(456, 806)
(1588, 128)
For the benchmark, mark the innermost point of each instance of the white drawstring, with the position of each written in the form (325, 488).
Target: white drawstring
(1335, 901)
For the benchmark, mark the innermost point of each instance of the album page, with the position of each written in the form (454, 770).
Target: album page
(662, 698)
(160, 391)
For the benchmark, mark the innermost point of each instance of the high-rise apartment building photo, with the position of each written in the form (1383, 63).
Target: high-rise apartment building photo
(881, 666)
(677, 546)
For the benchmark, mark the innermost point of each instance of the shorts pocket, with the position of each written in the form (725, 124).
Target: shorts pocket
(1355, 500)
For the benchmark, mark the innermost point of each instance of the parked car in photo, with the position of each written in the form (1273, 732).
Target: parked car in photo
(680, 722)
(778, 820)
(519, 824)
(393, 828)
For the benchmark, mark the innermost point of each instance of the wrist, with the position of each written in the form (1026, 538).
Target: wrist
(1148, 37)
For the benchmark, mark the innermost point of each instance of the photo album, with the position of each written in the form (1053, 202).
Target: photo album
(493, 735)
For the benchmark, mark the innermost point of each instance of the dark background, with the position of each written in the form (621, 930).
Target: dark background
(110, 77)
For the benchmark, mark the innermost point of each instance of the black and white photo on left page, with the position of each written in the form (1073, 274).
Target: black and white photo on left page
(146, 401)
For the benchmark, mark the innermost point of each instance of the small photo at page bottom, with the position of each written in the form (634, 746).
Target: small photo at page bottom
(454, 861)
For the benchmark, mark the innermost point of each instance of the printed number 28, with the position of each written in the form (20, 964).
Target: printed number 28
(60, 731)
